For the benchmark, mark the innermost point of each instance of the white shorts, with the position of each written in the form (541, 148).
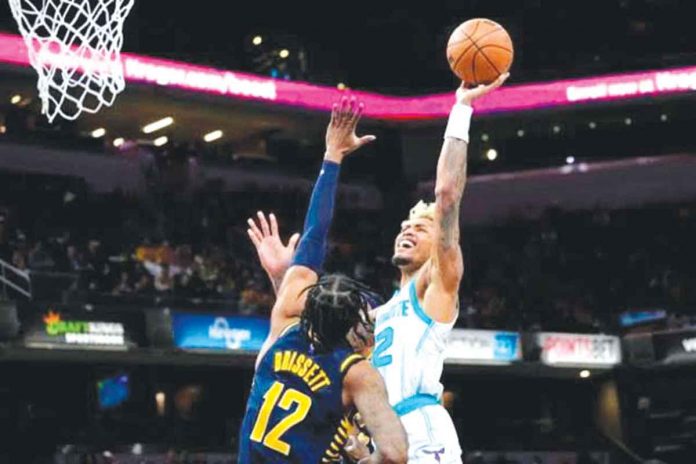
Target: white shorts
(432, 438)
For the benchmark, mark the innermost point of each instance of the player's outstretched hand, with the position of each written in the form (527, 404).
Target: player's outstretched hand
(274, 256)
(466, 95)
(341, 139)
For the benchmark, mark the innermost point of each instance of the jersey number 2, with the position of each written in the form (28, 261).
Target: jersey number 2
(383, 341)
(272, 439)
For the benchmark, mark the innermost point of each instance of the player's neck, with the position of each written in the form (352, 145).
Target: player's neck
(406, 276)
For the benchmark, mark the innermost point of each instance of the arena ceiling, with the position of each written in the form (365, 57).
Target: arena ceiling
(194, 114)
(398, 48)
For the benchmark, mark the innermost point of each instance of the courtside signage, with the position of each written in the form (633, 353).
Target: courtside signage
(581, 350)
(60, 331)
(482, 347)
(510, 98)
(219, 332)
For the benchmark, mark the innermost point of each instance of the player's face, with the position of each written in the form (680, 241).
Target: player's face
(413, 244)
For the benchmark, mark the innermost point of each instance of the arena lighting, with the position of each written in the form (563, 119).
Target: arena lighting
(157, 125)
(520, 132)
(628, 121)
(556, 129)
(161, 402)
(211, 136)
(491, 154)
(118, 141)
(584, 374)
(663, 118)
(99, 132)
(484, 137)
(15, 99)
(257, 40)
(592, 125)
(284, 53)
(570, 159)
(159, 141)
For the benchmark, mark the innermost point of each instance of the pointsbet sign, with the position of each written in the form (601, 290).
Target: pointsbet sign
(579, 349)
(59, 330)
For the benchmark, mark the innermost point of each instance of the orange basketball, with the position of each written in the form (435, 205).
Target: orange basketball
(479, 51)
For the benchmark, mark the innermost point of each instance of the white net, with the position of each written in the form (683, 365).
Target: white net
(75, 46)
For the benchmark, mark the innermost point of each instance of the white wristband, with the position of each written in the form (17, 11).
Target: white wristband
(459, 122)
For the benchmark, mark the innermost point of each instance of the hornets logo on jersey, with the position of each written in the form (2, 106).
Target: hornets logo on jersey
(295, 410)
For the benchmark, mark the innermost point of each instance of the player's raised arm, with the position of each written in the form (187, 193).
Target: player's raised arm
(447, 266)
(365, 389)
(308, 259)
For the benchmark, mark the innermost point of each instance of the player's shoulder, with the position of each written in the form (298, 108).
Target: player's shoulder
(287, 337)
(349, 360)
(290, 329)
(359, 372)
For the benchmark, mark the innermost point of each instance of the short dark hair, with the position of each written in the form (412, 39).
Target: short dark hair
(335, 304)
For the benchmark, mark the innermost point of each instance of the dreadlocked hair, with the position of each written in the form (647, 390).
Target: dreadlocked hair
(334, 305)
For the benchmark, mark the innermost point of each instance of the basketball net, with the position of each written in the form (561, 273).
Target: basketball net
(75, 47)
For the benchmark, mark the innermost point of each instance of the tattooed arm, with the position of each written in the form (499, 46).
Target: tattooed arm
(447, 264)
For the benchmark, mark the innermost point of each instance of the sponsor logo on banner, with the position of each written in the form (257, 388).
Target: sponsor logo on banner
(579, 349)
(234, 338)
(58, 330)
(205, 79)
(217, 332)
(482, 346)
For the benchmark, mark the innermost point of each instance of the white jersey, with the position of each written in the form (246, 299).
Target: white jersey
(409, 354)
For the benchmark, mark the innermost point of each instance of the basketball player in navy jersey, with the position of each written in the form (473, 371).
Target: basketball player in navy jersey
(308, 375)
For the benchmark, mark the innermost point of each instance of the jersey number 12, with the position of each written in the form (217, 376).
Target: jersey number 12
(273, 397)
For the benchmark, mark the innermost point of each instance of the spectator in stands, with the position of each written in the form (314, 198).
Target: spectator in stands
(40, 258)
(164, 282)
(74, 259)
(205, 268)
(95, 257)
(144, 284)
(123, 287)
(523, 274)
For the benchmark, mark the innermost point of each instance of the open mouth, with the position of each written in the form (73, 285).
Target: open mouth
(406, 244)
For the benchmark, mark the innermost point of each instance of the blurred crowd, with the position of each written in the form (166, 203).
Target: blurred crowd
(569, 271)
(578, 271)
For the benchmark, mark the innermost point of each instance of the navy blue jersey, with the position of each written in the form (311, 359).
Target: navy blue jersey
(295, 411)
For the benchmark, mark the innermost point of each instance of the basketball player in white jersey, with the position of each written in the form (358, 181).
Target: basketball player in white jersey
(411, 329)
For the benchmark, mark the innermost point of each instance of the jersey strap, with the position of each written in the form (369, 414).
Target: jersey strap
(350, 361)
(414, 402)
(417, 308)
(287, 328)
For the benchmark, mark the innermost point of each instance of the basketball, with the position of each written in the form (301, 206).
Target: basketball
(479, 50)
